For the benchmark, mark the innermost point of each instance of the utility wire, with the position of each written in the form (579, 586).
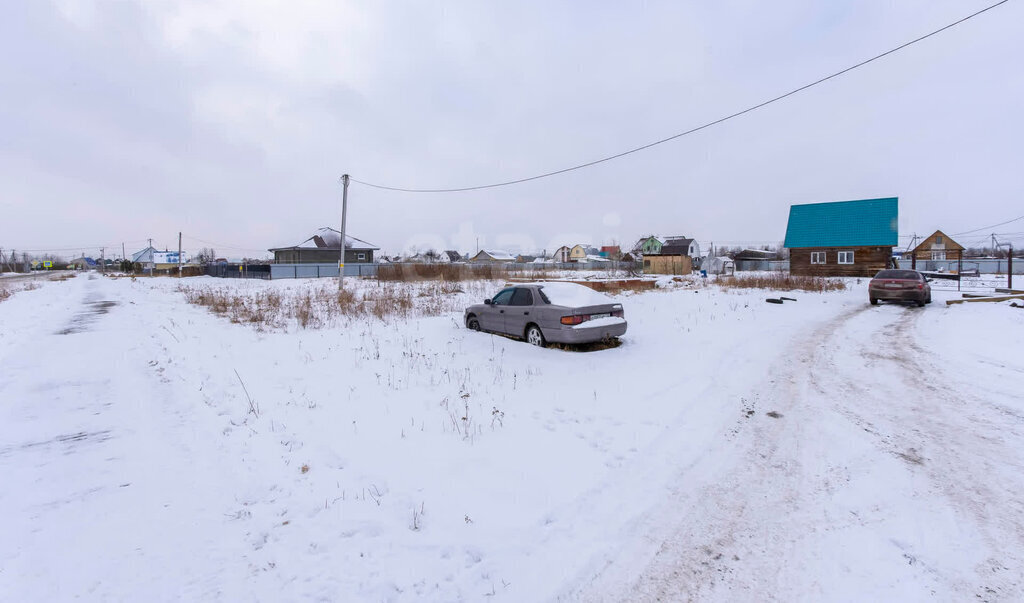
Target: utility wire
(987, 227)
(690, 131)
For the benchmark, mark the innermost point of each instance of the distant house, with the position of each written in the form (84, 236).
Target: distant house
(648, 245)
(627, 257)
(578, 253)
(937, 247)
(82, 263)
(844, 238)
(754, 259)
(453, 256)
(525, 259)
(561, 254)
(756, 254)
(612, 252)
(493, 255)
(680, 246)
(324, 247)
(144, 257)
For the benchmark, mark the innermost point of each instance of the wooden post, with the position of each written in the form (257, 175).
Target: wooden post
(1009, 269)
(959, 268)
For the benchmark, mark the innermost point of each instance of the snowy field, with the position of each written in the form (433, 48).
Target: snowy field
(728, 450)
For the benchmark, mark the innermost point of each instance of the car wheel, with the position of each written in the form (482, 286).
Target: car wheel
(929, 300)
(874, 302)
(920, 303)
(473, 324)
(534, 336)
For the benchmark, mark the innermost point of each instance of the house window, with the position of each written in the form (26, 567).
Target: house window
(938, 255)
(817, 257)
(845, 257)
(361, 257)
(938, 238)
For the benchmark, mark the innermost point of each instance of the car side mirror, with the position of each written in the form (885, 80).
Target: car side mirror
(487, 302)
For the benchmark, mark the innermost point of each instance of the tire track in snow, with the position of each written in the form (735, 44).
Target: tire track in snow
(823, 502)
(715, 507)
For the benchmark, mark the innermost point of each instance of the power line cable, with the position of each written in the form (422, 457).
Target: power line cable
(987, 227)
(79, 248)
(687, 132)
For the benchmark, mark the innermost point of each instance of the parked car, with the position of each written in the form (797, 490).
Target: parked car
(901, 286)
(549, 312)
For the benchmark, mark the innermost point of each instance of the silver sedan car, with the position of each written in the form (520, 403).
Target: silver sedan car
(555, 312)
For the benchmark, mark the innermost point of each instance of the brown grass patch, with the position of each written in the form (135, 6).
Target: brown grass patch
(309, 309)
(782, 281)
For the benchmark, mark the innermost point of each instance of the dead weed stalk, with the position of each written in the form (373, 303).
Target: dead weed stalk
(782, 281)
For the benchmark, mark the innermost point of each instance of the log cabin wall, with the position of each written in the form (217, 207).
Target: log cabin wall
(867, 261)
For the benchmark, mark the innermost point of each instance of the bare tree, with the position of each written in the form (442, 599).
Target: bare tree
(206, 255)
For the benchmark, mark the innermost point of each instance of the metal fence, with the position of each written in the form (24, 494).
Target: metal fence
(279, 271)
(259, 271)
(769, 265)
(982, 265)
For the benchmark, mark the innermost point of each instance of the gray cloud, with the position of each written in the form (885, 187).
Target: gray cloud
(232, 122)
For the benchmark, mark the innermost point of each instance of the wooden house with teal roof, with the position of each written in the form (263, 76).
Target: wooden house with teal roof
(843, 238)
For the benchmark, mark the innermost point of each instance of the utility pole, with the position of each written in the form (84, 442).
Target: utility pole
(179, 255)
(103, 263)
(1009, 269)
(344, 212)
(123, 257)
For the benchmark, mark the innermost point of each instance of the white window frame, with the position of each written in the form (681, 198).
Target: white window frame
(939, 255)
(845, 258)
(819, 257)
(360, 257)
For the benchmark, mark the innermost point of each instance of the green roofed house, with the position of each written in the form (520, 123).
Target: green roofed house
(844, 238)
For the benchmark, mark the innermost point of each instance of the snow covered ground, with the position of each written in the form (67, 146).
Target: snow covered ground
(729, 450)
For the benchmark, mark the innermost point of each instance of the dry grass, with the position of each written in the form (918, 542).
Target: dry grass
(323, 306)
(782, 281)
(6, 291)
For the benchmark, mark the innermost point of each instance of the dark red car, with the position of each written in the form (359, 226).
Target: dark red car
(901, 286)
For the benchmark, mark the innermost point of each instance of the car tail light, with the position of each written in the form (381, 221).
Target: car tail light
(617, 313)
(574, 319)
(920, 286)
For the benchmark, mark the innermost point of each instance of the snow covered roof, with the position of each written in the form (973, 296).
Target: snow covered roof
(328, 238)
(497, 254)
(144, 255)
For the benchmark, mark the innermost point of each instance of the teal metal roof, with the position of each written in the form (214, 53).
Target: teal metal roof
(860, 223)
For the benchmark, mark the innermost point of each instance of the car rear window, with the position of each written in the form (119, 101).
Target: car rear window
(543, 297)
(899, 274)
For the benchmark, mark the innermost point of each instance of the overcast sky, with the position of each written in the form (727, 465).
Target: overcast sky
(231, 121)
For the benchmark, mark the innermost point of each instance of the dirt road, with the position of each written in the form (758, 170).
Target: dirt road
(864, 467)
